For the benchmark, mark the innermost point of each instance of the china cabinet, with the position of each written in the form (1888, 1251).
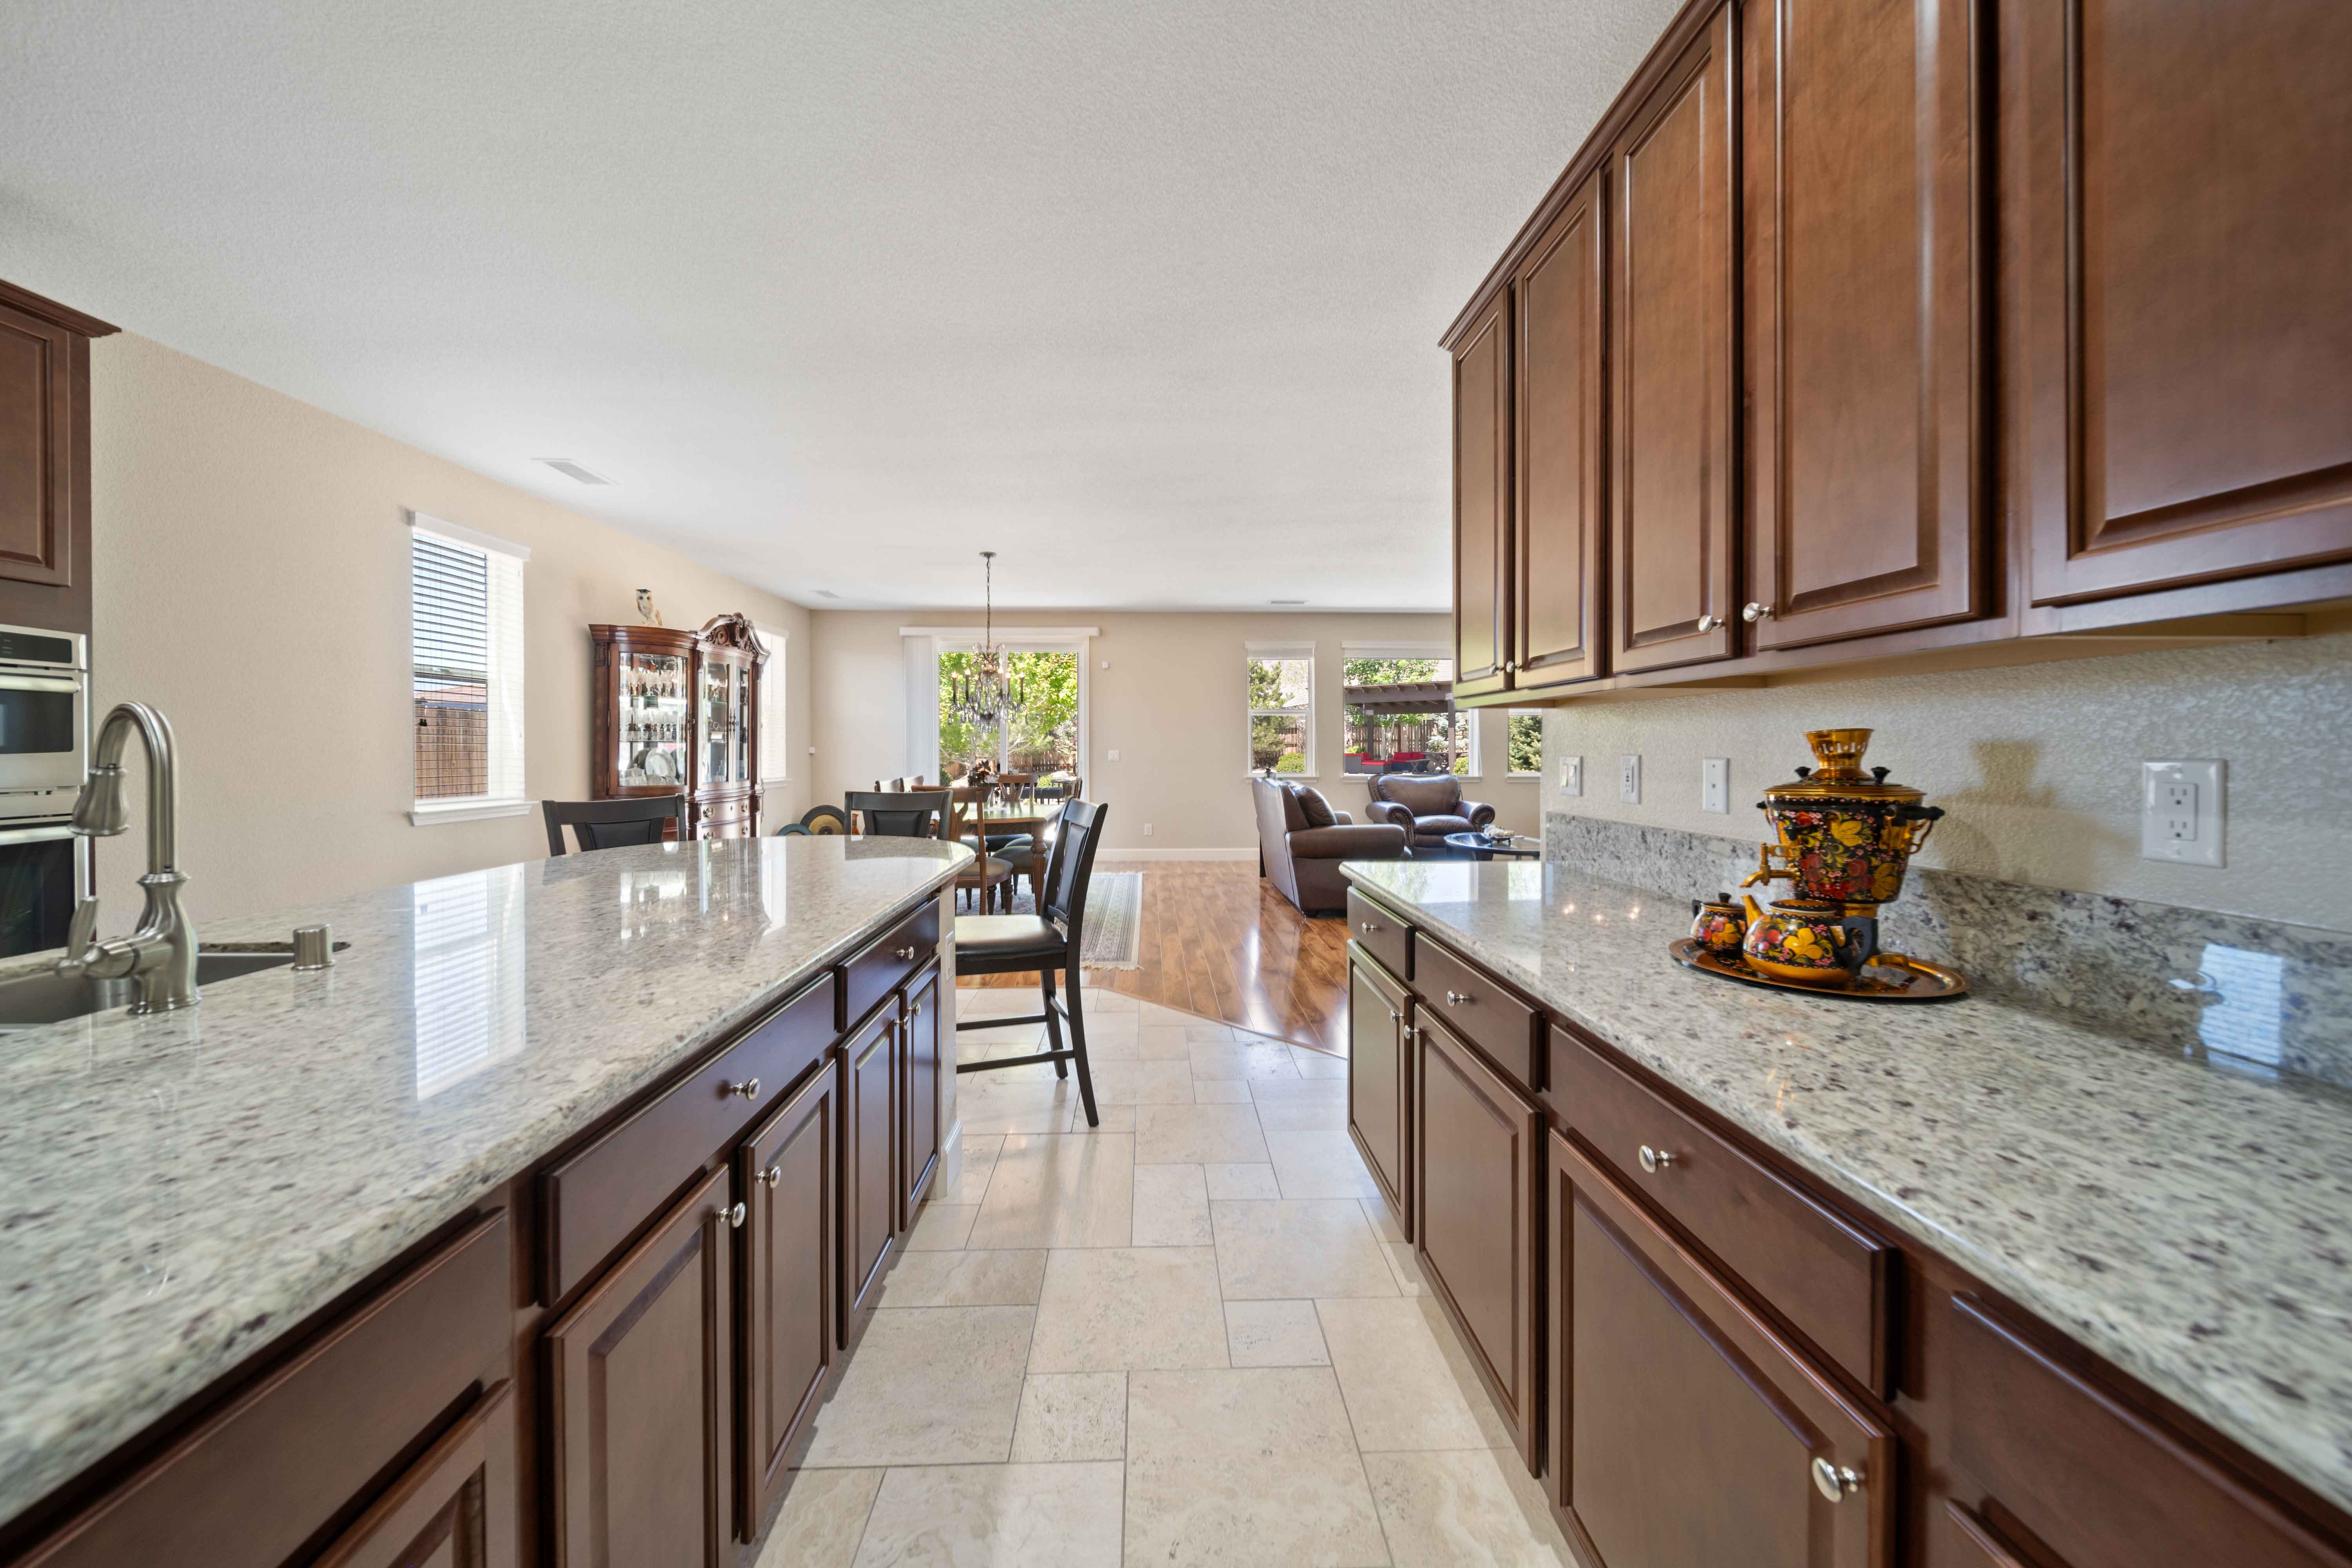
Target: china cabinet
(678, 710)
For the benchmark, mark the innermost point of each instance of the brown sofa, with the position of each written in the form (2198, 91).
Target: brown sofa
(1305, 861)
(1428, 806)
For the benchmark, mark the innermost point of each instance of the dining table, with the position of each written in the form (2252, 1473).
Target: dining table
(995, 817)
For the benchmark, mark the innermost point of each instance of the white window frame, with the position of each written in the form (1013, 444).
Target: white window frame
(775, 706)
(507, 794)
(1348, 650)
(1253, 651)
(925, 644)
(1509, 715)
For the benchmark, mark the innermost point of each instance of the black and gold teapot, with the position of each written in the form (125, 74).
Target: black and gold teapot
(1847, 836)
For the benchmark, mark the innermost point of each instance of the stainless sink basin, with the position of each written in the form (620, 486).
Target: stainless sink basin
(38, 998)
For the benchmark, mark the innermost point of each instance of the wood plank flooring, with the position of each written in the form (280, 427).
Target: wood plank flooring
(1220, 941)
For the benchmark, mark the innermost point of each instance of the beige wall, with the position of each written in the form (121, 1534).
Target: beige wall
(1172, 704)
(2038, 766)
(252, 581)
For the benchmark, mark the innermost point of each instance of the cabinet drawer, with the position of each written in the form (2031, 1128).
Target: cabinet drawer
(1480, 1011)
(876, 970)
(305, 1446)
(1826, 1276)
(1384, 936)
(596, 1199)
(2101, 1486)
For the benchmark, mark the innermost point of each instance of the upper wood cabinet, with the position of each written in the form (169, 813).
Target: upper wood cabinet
(1672, 366)
(1864, 503)
(1558, 427)
(45, 461)
(1482, 499)
(2184, 352)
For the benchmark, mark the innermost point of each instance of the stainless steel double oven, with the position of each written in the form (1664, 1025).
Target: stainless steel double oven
(44, 753)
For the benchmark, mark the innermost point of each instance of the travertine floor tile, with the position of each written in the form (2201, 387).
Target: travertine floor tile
(1107, 1118)
(1198, 1135)
(1319, 1165)
(1214, 1059)
(1103, 999)
(1401, 1391)
(981, 1516)
(1009, 1279)
(1405, 1267)
(1202, 1030)
(1376, 1211)
(1275, 1333)
(1116, 1308)
(823, 1518)
(1060, 1191)
(1315, 1064)
(931, 1386)
(1282, 1251)
(979, 1162)
(999, 1102)
(941, 1228)
(1142, 1083)
(1163, 1042)
(1300, 1104)
(1254, 1466)
(1171, 1206)
(1236, 1182)
(1220, 1091)
(1444, 1510)
(1071, 1416)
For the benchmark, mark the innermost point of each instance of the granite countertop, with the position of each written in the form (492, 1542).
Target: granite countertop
(176, 1191)
(2189, 1223)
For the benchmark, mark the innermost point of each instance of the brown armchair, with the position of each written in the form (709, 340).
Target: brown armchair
(1428, 806)
(1304, 861)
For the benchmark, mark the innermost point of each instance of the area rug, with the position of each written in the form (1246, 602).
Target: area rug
(1114, 918)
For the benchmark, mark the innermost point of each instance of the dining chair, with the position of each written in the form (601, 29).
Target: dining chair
(613, 823)
(898, 813)
(988, 871)
(1049, 942)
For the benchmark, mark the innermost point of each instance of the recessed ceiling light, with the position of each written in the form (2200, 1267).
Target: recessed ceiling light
(1286, 601)
(572, 470)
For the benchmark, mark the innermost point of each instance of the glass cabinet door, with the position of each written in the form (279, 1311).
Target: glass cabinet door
(722, 714)
(742, 723)
(655, 721)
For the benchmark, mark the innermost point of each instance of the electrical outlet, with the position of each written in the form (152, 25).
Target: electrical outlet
(1571, 775)
(1715, 785)
(1114, 754)
(2181, 812)
(1629, 780)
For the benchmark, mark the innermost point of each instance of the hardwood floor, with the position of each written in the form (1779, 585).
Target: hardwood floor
(1221, 942)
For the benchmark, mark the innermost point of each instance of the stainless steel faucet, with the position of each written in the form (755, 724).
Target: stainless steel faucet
(160, 957)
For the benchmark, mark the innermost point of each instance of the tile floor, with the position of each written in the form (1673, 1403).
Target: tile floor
(1191, 1335)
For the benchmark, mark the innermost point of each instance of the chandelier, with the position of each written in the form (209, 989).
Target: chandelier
(989, 694)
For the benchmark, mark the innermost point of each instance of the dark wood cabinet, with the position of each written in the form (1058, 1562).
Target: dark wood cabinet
(1482, 501)
(642, 1395)
(44, 543)
(1557, 428)
(919, 1123)
(1477, 1169)
(1379, 1081)
(1672, 366)
(455, 1507)
(679, 711)
(869, 1189)
(1684, 1429)
(2183, 346)
(789, 1176)
(1864, 504)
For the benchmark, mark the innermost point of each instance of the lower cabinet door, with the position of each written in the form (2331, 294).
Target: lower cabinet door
(1973, 1544)
(869, 1193)
(789, 1174)
(454, 1507)
(919, 1126)
(1379, 1094)
(1684, 1429)
(1478, 1174)
(641, 1381)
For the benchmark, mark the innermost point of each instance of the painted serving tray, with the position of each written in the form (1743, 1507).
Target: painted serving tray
(1919, 982)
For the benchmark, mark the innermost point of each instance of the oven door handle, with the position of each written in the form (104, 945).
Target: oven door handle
(41, 834)
(64, 683)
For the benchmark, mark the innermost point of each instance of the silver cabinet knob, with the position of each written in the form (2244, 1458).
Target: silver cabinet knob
(1456, 998)
(1708, 622)
(748, 1089)
(1656, 1160)
(1368, 926)
(914, 1009)
(1833, 1481)
(1510, 667)
(735, 1216)
(1756, 612)
(904, 955)
(770, 1176)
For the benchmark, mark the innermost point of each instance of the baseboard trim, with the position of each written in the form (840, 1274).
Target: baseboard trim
(1247, 852)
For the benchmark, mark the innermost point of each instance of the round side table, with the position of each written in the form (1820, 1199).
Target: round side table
(1478, 847)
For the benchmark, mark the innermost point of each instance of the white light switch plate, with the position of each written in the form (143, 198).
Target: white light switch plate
(1571, 775)
(1114, 754)
(1715, 785)
(2181, 812)
(1629, 780)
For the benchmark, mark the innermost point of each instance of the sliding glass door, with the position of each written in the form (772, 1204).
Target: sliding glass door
(1042, 738)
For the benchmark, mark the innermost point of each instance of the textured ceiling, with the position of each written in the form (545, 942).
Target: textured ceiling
(1145, 298)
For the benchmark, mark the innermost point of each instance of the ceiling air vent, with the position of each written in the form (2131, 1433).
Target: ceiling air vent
(571, 470)
(1286, 601)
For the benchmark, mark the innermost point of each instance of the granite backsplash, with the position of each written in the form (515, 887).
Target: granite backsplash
(2264, 994)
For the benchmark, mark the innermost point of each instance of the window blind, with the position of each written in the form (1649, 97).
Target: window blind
(465, 664)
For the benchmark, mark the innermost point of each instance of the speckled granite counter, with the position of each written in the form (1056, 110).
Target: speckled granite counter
(175, 1192)
(2191, 1224)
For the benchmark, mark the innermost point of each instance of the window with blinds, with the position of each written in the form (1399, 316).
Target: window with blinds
(466, 670)
(775, 758)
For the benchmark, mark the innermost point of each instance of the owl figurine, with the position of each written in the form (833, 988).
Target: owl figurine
(645, 607)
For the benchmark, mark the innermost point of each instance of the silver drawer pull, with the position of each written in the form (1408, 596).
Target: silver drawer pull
(1656, 1160)
(1395, 1017)
(735, 1216)
(904, 955)
(748, 1089)
(770, 1176)
(1368, 926)
(1456, 998)
(1833, 1481)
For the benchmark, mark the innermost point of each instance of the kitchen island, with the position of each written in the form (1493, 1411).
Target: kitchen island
(2036, 1279)
(499, 1067)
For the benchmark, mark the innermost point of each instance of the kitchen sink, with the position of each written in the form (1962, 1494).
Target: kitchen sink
(30, 1000)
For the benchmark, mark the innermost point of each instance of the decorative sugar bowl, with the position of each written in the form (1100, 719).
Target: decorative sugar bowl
(1718, 924)
(1846, 836)
(1801, 940)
